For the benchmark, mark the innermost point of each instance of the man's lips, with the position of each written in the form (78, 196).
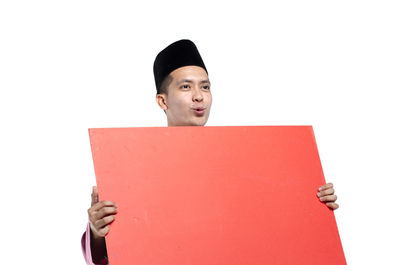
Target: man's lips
(199, 110)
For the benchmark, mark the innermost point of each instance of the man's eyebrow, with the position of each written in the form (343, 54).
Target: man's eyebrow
(205, 81)
(191, 81)
(185, 81)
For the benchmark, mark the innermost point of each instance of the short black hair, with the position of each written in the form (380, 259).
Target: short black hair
(165, 84)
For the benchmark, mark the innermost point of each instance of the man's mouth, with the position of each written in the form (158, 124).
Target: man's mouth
(199, 110)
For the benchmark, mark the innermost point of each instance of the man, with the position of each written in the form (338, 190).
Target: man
(183, 92)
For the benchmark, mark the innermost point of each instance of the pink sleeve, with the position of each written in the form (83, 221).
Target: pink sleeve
(87, 253)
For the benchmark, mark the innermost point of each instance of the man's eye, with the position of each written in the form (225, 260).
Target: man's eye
(206, 87)
(185, 86)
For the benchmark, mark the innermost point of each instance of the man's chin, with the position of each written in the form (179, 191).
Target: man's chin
(197, 122)
(194, 121)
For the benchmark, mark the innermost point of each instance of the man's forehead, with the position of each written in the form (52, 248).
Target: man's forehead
(190, 74)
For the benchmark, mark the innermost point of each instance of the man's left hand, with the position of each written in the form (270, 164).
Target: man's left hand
(327, 195)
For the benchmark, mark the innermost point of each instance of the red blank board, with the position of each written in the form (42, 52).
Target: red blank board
(215, 196)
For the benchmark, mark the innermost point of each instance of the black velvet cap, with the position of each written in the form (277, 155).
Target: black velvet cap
(178, 54)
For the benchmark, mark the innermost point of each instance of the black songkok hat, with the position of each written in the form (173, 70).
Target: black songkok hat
(178, 54)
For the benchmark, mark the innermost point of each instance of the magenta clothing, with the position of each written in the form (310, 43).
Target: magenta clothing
(87, 253)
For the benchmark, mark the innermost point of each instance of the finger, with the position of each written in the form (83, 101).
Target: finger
(104, 212)
(99, 224)
(326, 186)
(332, 205)
(95, 195)
(93, 211)
(329, 198)
(329, 191)
(104, 231)
(97, 206)
(95, 216)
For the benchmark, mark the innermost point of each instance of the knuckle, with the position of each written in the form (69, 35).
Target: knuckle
(101, 212)
(98, 223)
(329, 191)
(109, 219)
(91, 213)
(97, 216)
(104, 210)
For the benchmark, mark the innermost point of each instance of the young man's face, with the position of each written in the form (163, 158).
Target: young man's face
(188, 100)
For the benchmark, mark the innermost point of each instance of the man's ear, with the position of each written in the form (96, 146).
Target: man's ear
(162, 101)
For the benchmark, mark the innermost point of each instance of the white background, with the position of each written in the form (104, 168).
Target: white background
(66, 66)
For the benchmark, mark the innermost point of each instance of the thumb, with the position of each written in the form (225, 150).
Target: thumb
(95, 195)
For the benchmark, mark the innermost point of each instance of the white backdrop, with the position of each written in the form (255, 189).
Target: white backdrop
(66, 66)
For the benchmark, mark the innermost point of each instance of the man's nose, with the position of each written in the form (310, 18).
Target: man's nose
(197, 95)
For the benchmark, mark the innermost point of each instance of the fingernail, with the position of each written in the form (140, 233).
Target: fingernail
(320, 188)
(319, 194)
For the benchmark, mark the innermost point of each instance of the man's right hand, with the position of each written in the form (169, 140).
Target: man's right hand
(101, 215)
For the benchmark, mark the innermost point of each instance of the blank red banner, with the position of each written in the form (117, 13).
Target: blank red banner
(215, 196)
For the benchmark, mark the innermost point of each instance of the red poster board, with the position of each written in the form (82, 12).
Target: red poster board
(215, 196)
